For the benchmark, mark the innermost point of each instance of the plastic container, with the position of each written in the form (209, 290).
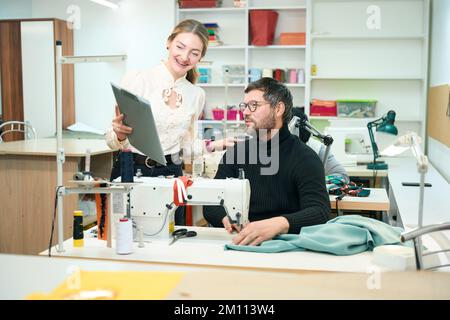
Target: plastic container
(233, 113)
(323, 108)
(356, 108)
(218, 114)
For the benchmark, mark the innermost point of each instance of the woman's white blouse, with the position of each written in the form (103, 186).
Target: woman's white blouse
(177, 127)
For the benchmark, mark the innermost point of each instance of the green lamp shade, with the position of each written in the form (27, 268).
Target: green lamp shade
(386, 125)
(388, 128)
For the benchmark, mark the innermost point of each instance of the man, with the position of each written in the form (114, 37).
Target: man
(286, 177)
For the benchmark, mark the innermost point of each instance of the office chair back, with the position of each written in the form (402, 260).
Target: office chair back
(416, 235)
(10, 127)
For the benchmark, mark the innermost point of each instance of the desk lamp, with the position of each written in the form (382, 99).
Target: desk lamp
(383, 124)
(301, 122)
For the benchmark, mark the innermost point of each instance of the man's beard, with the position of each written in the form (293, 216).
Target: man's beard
(264, 127)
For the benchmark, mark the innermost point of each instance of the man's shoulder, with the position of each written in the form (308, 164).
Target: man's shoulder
(300, 153)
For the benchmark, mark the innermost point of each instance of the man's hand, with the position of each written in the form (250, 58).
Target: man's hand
(258, 231)
(228, 226)
(121, 130)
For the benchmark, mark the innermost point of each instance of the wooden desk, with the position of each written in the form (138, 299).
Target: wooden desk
(377, 201)
(201, 282)
(362, 171)
(28, 176)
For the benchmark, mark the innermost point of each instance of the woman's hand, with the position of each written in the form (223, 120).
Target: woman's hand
(219, 145)
(121, 130)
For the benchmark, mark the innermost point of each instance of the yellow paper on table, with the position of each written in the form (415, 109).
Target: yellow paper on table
(118, 285)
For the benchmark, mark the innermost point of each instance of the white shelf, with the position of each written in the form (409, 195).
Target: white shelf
(220, 122)
(221, 85)
(241, 85)
(365, 78)
(367, 37)
(363, 119)
(209, 10)
(295, 85)
(227, 47)
(278, 47)
(278, 8)
(240, 47)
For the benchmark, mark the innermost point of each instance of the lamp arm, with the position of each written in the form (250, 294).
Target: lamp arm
(327, 140)
(370, 125)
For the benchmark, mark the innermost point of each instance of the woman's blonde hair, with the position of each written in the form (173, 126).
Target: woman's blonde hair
(197, 28)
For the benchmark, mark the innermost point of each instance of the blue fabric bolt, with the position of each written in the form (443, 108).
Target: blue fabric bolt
(344, 235)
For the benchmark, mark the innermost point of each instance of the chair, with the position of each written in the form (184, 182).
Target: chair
(17, 126)
(416, 235)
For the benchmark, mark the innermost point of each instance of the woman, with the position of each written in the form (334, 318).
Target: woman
(176, 104)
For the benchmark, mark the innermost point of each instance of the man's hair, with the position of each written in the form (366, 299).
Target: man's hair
(274, 92)
(304, 134)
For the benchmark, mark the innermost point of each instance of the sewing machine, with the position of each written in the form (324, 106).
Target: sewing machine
(349, 155)
(153, 201)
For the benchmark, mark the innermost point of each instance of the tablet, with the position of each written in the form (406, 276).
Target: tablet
(138, 115)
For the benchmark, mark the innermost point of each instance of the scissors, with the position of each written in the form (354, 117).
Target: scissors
(182, 233)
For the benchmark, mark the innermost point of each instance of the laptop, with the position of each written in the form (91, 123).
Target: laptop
(138, 115)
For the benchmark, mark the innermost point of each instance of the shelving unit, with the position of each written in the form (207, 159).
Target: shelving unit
(354, 61)
(234, 32)
(357, 60)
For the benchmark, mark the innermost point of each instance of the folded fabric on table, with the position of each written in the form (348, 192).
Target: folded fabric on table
(344, 235)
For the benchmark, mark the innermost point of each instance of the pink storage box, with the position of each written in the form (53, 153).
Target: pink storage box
(219, 114)
(232, 114)
(323, 111)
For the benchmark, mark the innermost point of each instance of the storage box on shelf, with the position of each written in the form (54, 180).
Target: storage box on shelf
(356, 108)
(198, 3)
(323, 108)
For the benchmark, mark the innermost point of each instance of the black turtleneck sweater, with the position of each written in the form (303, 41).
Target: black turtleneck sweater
(295, 191)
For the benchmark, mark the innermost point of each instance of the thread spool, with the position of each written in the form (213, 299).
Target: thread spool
(267, 73)
(301, 76)
(124, 236)
(293, 76)
(126, 166)
(78, 236)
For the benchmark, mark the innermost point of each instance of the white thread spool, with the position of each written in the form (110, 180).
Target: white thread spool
(124, 236)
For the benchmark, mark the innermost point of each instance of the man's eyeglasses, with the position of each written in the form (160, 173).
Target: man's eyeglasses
(251, 105)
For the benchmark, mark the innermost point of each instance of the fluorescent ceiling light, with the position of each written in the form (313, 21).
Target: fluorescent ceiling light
(106, 3)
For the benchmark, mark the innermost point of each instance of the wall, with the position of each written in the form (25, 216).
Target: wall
(139, 29)
(13, 9)
(438, 153)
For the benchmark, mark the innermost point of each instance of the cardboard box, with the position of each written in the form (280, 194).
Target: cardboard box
(292, 38)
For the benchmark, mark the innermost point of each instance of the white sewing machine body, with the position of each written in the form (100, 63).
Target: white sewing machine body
(363, 154)
(152, 205)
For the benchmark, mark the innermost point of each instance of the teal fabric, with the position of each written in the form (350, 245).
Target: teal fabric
(344, 235)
